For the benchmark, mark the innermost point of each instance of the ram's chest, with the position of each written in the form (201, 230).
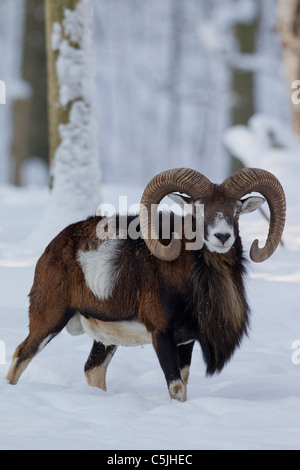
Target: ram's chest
(218, 296)
(119, 333)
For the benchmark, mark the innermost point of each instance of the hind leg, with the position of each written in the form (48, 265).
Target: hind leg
(24, 353)
(97, 363)
(42, 329)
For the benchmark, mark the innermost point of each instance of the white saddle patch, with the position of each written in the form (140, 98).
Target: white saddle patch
(100, 268)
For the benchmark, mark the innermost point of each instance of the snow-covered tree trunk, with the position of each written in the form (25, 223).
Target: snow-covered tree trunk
(73, 127)
(289, 28)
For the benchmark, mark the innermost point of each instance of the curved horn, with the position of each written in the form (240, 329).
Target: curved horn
(248, 180)
(183, 180)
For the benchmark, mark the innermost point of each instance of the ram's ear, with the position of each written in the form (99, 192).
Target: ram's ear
(251, 203)
(180, 200)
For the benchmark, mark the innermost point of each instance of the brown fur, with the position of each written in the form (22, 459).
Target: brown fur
(180, 296)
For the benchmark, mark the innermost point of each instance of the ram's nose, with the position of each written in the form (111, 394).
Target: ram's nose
(223, 237)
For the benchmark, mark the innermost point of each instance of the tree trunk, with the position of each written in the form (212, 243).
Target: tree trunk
(175, 77)
(34, 72)
(73, 123)
(289, 29)
(57, 114)
(243, 82)
(20, 140)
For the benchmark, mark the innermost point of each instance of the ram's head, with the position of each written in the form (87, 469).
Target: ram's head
(222, 206)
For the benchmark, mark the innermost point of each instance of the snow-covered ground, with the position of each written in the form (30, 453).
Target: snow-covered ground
(253, 404)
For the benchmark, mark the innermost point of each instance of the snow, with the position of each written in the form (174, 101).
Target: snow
(253, 404)
(74, 63)
(215, 33)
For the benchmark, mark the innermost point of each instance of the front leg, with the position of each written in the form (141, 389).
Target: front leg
(185, 358)
(167, 354)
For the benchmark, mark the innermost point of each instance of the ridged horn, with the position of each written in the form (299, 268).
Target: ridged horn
(248, 180)
(183, 180)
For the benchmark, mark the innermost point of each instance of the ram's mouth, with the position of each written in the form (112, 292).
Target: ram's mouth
(218, 248)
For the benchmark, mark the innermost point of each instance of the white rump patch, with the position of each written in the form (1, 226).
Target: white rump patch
(100, 267)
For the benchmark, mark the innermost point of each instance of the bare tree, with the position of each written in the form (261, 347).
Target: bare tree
(243, 80)
(289, 29)
(55, 13)
(74, 159)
